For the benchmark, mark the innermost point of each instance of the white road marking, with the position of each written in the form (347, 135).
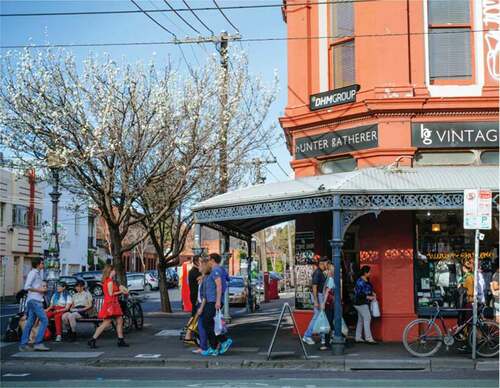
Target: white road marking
(169, 333)
(4, 344)
(148, 355)
(15, 374)
(57, 354)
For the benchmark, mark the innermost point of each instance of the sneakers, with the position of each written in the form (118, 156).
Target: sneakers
(372, 342)
(122, 343)
(41, 348)
(25, 348)
(308, 340)
(92, 344)
(224, 347)
(210, 352)
(58, 338)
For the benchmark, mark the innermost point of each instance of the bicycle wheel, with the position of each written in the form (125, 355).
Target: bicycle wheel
(127, 322)
(138, 316)
(422, 338)
(486, 339)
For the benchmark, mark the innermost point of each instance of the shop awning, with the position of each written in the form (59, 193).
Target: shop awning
(246, 211)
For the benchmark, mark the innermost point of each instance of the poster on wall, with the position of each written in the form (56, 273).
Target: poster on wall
(304, 255)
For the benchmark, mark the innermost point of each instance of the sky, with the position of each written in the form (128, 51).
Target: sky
(265, 57)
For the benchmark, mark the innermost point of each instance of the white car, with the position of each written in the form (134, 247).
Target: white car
(135, 281)
(151, 281)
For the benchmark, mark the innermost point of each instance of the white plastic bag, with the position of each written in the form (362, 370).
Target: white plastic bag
(374, 308)
(321, 326)
(345, 329)
(219, 323)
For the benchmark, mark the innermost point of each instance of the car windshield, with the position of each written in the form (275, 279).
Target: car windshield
(236, 282)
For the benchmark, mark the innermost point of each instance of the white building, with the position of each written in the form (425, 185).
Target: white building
(76, 230)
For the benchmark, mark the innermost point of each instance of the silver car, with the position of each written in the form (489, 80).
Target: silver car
(135, 281)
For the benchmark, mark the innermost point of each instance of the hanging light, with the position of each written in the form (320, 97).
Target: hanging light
(436, 227)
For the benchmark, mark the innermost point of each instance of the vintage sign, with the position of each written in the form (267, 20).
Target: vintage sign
(337, 142)
(477, 209)
(454, 135)
(334, 97)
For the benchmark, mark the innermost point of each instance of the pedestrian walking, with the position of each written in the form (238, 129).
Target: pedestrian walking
(60, 303)
(201, 301)
(214, 291)
(36, 288)
(363, 295)
(318, 285)
(194, 277)
(495, 290)
(328, 302)
(111, 308)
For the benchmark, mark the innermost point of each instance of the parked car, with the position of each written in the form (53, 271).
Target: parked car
(135, 281)
(91, 284)
(237, 291)
(89, 275)
(151, 281)
(172, 277)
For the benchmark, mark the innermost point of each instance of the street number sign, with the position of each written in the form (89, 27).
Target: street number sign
(477, 209)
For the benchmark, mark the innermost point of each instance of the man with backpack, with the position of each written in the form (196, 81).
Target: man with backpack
(36, 288)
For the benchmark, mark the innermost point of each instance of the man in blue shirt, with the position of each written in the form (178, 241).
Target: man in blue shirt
(214, 291)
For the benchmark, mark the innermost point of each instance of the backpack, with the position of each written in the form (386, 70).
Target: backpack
(12, 333)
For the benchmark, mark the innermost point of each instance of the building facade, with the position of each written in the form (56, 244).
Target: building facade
(21, 202)
(394, 83)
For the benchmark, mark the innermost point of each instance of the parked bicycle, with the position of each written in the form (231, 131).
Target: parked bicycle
(423, 337)
(133, 315)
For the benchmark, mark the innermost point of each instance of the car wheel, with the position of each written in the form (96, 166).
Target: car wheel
(148, 288)
(97, 291)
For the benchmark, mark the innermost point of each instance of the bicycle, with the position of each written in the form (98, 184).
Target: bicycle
(423, 337)
(133, 314)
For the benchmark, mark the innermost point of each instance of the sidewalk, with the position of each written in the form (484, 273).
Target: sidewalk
(158, 345)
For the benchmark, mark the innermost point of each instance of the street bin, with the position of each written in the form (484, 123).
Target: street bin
(274, 289)
(266, 286)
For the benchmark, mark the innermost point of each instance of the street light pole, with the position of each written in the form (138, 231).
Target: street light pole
(53, 265)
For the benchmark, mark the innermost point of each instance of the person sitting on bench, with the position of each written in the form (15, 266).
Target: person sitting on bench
(60, 303)
(81, 308)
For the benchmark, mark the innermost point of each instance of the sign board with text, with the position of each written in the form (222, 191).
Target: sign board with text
(477, 209)
(334, 97)
(455, 135)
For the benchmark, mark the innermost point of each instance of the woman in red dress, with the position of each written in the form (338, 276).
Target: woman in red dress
(110, 307)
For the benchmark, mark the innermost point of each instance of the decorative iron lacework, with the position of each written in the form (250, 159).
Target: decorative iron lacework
(348, 217)
(348, 202)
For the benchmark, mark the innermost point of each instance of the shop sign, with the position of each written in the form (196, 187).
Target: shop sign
(454, 135)
(477, 209)
(334, 97)
(337, 142)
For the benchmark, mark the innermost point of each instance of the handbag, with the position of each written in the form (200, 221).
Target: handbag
(375, 308)
(192, 325)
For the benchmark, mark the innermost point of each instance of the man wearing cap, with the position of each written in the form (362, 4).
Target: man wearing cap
(318, 284)
(81, 307)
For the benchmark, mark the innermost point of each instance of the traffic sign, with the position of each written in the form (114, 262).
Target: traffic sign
(477, 209)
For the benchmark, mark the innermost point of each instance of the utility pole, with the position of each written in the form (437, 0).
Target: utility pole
(290, 256)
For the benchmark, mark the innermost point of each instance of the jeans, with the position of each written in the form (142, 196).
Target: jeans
(309, 331)
(208, 324)
(364, 320)
(34, 309)
(202, 335)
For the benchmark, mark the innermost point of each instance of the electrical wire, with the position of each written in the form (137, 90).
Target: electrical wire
(258, 40)
(196, 16)
(181, 17)
(154, 20)
(189, 9)
(225, 17)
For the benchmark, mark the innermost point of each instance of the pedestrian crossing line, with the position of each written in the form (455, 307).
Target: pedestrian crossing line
(169, 333)
(54, 354)
(16, 374)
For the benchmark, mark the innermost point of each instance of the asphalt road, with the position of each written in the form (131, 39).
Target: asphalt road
(24, 376)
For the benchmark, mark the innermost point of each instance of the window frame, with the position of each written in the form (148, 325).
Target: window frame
(470, 26)
(333, 42)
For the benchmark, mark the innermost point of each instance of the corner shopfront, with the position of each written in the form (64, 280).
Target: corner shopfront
(406, 223)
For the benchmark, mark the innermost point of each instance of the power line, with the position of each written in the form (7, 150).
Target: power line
(154, 20)
(188, 9)
(225, 17)
(196, 16)
(257, 40)
(180, 17)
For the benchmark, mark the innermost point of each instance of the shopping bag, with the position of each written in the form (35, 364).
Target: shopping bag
(193, 324)
(374, 308)
(345, 329)
(321, 326)
(219, 324)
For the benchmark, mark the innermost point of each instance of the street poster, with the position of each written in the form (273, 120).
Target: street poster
(477, 209)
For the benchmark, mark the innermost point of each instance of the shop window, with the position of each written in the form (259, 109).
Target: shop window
(489, 157)
(444, 158)
(450, 52)
(342, 46)
(442, 246)
(338, 165)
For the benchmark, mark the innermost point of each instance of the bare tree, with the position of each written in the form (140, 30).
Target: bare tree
(115, 131)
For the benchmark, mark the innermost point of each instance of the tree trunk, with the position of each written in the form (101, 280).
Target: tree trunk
(116, 251)
(162, 285)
